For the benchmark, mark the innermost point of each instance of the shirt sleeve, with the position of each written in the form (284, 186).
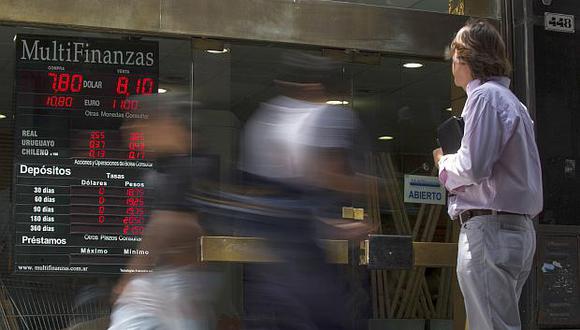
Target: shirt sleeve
(480, 147)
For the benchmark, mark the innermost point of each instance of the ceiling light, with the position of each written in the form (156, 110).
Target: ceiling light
(214, 51)
(386, 138)
(161, 90)
(337, 102)
(2, 116)
(449, 109)
(413, 65)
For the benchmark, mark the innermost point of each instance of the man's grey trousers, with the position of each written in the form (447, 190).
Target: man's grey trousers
(494, 260)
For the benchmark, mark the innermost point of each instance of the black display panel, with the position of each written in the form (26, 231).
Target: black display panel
(80, 201)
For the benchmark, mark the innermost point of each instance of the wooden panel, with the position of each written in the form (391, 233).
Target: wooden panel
(430, 254)
(253, 249)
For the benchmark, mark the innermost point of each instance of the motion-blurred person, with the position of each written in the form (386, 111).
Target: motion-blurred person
(179, 293)
(496, 182)
(295, 149)
(299, 141)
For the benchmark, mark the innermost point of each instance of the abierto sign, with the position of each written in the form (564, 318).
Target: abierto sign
(424, 190)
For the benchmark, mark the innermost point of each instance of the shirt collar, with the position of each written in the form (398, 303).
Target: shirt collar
(504, 81)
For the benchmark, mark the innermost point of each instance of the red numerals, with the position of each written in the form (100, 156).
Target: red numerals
(101, 208)
(97, 134)
(136, 155)
(136, 146)
(133, 223)
(146, 86)
(140, 86)
(135, 202)
(59, 101)
(65, 82)
(133, 230)
(133, 192)
(127, 105)
(123, 85)
(97, 153)
(97, 144)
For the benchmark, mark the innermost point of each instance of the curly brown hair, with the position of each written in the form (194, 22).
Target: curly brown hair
(480, 45)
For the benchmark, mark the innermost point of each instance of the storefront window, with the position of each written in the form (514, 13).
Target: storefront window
(398, 102)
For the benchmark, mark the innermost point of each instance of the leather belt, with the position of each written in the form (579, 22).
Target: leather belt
(469, 214)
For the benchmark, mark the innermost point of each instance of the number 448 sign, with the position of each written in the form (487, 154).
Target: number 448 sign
(559, 22)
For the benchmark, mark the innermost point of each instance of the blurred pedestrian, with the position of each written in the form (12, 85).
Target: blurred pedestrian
(299, 150)
(179, 293)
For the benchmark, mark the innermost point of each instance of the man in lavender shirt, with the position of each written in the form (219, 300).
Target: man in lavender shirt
(494, 181)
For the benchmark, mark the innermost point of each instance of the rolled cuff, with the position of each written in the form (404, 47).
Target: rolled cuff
(447, 180)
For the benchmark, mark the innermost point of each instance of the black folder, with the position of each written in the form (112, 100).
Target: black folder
(449, 134)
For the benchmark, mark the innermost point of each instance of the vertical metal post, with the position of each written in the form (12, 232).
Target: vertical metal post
(518, 19)
(522, 43)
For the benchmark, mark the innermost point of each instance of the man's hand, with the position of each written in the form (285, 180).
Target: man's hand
(437, 154)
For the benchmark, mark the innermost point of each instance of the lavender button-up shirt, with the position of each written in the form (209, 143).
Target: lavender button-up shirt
(497, 166)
